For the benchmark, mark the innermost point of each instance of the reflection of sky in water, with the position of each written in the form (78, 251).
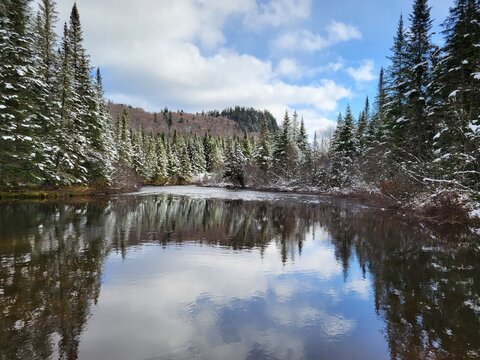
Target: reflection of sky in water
(194, 301)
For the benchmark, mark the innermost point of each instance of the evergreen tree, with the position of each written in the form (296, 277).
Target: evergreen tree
(457, 140)
(208, 149)
(124, 142)
(418, 127)
(105, 153)
(234, 163)
(151, 161)
(377, 125)
(185, 173)
(161, 175)
(263, 151)
(197, 156)
(363, 122)
(303, 145)
(20, 151)
(246, 148)
(139, 147)
(284, 151)
(173, 164)
(47, 98)
(343, 151)
(396, 93)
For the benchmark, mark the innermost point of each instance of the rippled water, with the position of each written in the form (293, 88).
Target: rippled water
(190, 273)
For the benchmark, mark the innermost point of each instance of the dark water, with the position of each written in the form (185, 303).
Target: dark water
(209, 274)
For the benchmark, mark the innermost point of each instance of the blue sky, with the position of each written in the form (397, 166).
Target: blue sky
(311, 56)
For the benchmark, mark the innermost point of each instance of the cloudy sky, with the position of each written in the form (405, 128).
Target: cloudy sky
(312, 56)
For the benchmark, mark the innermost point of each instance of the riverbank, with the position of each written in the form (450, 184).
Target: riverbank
(45, 194)
(433, 206)
(441, 207)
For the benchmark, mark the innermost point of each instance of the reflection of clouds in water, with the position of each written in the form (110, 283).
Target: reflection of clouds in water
(360, 286)
(210, 282)
(331, 325)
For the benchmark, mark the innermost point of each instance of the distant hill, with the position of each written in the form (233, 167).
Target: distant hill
(225, 123)
(250, 119)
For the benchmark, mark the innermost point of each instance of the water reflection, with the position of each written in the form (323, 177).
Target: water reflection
(171, 277)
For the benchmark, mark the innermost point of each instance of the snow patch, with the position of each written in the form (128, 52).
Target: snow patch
(453, 93)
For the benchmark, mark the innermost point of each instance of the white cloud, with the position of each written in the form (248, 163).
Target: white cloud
(155, 56)
(277, 13)
(338, 32)
(290, 68)
(305, 40)
(363, 73)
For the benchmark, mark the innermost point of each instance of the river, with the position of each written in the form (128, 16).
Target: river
(197, 273)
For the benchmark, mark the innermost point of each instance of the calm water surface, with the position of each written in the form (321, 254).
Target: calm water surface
(188, 273)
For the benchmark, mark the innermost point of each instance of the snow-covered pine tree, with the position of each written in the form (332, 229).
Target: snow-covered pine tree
(396, 83)
(234, 163)
(361, 129)
(262, 154)
(69, 153)
(419, 127)
(208, 151)
(161, 175)
(47, 99)
(218, 154)
(139, 148)
(285, 150)
(173, 161)
(124, 142)
(151, 160)
(247, 150)
(457, 141)
(107, 155)
(185, 174)
(20, 152)
(87, 122)
(305, 151)
(197, 156)
(343, 151)
(376, 122)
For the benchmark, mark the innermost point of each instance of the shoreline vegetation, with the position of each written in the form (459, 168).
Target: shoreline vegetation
(446, 210)
(415, 148)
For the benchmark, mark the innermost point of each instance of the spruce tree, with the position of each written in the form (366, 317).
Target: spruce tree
(284, 150)
(105, 151)
(377, 125)
(185, 173)
(139, 149)
(234, 163)
(363, 121)
(418, 127)
(343, 151)
(246, 148)
(150, 170)
(303, 145)
(457, 139)
(20, 151)
(124, 142)
(263, 151)
(396, 82)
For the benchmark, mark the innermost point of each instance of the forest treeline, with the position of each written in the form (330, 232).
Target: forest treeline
(421, 132)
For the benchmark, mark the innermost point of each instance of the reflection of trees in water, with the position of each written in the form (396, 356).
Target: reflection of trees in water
(52, 254)
(51, 259)
(425, 290)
